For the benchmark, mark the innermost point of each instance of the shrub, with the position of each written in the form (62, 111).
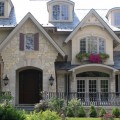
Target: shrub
(42, 106)
(73, 108)
(92, 112)
(81, 112)
(10, 113)
(102, 112)
(116, 112)
(45, 115)
(56, 104)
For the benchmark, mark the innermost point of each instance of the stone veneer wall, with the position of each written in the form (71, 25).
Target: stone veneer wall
(43, 59)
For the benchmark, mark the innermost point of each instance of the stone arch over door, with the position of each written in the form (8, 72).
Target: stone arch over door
(29, 85)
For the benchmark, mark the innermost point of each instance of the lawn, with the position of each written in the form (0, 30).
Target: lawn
(88, 119)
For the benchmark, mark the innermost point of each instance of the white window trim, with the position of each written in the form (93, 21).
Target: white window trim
(86, 39)
(60, 4)
(98, 81)
(115, 12)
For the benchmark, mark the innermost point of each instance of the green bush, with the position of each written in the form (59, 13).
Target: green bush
(73, 108)
(116, 112)
(92, 111)
(56, 104)
(42, 106)
(102, 112)
(10, 113)
(81, 112)
(45, 115)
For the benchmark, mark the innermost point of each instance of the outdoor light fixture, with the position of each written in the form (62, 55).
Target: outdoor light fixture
(5, 80)
(51, 80)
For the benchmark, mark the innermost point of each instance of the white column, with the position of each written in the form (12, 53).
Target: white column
(112, 82)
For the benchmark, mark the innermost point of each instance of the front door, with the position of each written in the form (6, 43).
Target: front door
(30, 84)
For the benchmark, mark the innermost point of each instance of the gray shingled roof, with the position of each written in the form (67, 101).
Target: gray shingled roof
(38, 8)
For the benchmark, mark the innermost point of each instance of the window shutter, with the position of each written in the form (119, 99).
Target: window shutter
(21, 43)
(36, 41)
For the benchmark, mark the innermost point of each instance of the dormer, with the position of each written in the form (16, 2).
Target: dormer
(60, 10)
(5, 8)
(113, 16)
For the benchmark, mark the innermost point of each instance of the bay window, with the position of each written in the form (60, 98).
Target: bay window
(92, 44)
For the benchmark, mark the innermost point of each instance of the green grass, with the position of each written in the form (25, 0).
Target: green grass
(88, 119)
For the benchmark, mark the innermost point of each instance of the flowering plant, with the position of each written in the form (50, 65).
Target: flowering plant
(95, 58)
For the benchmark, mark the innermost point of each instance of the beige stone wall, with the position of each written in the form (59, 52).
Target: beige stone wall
(4, 34)
(92, 31)
(61, 82)
(43, 59)
(60, 38)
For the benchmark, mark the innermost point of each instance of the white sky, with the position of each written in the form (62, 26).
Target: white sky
(38, 7)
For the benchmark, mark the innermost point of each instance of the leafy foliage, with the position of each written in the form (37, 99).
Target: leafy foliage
(81, 112)
(102, 112)
(116, 112)
(73, 108)
(56, 104)
(10, 113)
(45, 115)
(92, 111)
(42, 106)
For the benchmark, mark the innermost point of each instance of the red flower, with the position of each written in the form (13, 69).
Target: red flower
(95, 58)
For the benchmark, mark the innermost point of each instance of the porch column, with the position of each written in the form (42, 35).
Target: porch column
(112, 82)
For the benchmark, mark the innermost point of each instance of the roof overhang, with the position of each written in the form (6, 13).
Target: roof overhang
(30, 16)
(93, 65)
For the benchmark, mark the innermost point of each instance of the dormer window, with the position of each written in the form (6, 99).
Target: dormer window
(60, 10)
(113, 16)
(1, 8)
(117, 18)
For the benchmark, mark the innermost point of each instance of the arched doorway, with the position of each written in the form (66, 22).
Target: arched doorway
(30, 85)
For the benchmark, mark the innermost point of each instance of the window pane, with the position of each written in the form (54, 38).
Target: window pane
(1, 9)
(64, 12)
(117, 19)
(101, 45)
(56, 12)
(81, 89)
(92, 44)
(29, 45)
(83, 46)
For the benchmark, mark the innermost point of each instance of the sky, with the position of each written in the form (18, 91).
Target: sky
(22, 7)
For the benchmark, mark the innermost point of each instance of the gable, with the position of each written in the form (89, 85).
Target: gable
(92, 18)
(39, 27)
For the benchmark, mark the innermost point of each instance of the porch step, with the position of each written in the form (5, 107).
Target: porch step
(26, 108)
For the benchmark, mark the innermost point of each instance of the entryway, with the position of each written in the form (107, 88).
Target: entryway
(30, 85)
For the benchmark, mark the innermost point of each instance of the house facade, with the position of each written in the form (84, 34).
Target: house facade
(57, 50)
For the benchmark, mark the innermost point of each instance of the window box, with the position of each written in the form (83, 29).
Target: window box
(93, 58)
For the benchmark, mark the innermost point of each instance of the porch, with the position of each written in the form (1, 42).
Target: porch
(87, 99)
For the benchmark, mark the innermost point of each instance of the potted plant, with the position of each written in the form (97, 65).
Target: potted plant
(104, 56)
(95, 58)
(82, 56)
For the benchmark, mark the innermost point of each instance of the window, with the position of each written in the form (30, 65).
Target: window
(1, 8)
(117, 19)
(29, 42)
(60, 12)
(92, 44)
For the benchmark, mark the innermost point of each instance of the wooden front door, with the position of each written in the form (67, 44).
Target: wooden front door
(30, 85)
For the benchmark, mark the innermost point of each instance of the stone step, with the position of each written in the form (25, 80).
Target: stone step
(26, 108)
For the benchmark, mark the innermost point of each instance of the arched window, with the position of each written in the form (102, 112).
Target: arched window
(92, 44)
(92, 74)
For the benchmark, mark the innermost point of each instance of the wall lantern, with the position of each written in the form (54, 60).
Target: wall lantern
(51, 80)
(5, 80)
